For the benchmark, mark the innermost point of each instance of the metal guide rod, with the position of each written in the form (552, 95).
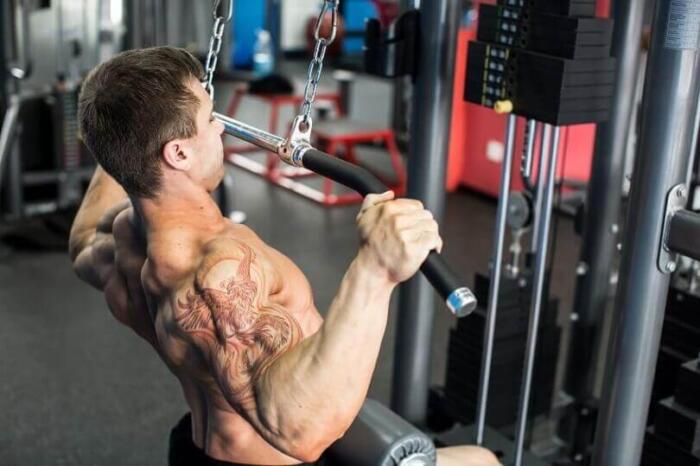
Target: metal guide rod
(8, 134)
(545, 133)
(526, 163)
(670, 105)
(496, 267)
(538, 298)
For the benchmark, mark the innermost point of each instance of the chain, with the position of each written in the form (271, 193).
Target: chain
(215, 43)
(316, 66)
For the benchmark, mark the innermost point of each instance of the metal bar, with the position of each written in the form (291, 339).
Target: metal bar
(432, 108)
(526, 162)
(8, 134)
(495, 286)
(545, 134)
(670, 100)
(34, 178)
(538, 297)
(683, 234)
(251, 134)
(14, 169)
(604, 197)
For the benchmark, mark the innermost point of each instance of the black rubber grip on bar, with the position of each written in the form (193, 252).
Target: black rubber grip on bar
(435, 269)
(342, 172)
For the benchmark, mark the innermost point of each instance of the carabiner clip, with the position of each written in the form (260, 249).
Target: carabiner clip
(229, 13)
(327, 4)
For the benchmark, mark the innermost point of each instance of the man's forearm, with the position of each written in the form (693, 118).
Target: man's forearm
(326, 377)
(102, 194)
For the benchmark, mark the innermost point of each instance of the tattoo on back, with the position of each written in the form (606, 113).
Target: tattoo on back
(251, 332)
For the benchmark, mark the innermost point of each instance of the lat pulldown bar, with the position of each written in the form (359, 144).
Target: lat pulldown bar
(297, 152)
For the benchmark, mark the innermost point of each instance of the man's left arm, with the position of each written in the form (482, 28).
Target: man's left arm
(91, 241)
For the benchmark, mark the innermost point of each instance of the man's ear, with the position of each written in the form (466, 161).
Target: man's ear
(177, 155)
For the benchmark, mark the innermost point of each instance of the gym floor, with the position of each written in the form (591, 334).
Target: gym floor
(79, 389)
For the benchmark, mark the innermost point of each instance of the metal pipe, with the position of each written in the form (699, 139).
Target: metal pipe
(495, 286)
(432, 108)
(538, 297)
(670, 100)
(21, 66)
(15, 185)
(545, 134)
(250, 134)
(604, 197)
(8, 134)
(526, 162)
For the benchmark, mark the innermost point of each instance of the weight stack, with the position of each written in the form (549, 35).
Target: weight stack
(674, 439)
(465, 353)
(680, 343)
(549, 58)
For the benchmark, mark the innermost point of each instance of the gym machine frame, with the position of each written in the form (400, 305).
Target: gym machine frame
(658, 228)
(601, 231)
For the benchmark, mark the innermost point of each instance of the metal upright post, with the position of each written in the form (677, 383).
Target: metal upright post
(600, 237)
(400, 112)
(426, 181)
(539, 297)
(495, 285)
(669, 106)
(539, 192)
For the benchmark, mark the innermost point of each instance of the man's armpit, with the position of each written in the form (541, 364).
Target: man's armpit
(229, 312)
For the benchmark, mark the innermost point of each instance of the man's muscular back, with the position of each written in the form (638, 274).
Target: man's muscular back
(216, 309)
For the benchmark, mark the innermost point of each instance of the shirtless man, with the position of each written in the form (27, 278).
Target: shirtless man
(268, 381)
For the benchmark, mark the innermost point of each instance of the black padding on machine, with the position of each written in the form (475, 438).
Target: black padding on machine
(342, 172)
(379, 437)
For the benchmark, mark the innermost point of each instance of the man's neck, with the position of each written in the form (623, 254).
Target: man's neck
(182, 208)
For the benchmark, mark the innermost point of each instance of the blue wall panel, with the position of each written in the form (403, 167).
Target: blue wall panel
(248, 17)
(356, 13)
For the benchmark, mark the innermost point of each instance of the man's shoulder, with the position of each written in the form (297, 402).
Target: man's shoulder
(227, 258)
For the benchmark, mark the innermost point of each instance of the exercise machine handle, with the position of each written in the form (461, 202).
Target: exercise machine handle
(459, 298)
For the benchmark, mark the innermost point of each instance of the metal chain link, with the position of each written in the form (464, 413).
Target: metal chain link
(316, 66)
(215, 43)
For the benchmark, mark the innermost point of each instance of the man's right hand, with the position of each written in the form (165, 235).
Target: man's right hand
(396, 235)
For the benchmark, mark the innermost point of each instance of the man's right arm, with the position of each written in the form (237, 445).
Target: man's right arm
(302, 394)
(91, 243)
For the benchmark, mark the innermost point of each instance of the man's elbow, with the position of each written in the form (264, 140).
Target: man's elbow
(314, 441)
(82, 267)
(309, 450)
